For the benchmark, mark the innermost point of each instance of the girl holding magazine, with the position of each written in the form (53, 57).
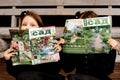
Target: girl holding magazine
(99, 65)
(45, 71)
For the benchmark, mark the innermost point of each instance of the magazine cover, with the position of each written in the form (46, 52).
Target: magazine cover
(87, 36)
(34, 46)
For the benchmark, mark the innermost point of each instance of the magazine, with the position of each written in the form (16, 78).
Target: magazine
(87, 36)
(34, 46)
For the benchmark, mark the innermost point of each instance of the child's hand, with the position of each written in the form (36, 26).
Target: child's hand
(61, 41)
(112, 42)
(58, 47)
(9, 53)
(58, 44)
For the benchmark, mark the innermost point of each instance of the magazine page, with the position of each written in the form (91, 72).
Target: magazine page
(34, 46)
(42, 45)
(87, 36)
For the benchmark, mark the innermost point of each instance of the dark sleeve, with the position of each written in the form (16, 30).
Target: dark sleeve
(10, 68)
(105, 64)
(109, 63)
(68, 62)
(100, 65)
(15, 70)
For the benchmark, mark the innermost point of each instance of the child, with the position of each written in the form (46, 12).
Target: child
(96, 65)
(46, 71)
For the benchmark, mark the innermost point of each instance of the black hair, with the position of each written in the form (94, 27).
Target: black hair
(77, 14)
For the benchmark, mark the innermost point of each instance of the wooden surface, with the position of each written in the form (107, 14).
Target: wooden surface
(13, 8)
(3, 73)
(116, 74)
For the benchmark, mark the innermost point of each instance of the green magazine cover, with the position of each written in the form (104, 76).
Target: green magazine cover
(34, 46)
(87, 36)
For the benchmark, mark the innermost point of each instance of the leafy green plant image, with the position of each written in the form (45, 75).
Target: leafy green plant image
(88, 36)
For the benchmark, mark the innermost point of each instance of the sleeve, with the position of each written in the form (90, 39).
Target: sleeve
(10, 68)
(68, 62)
(109, 62)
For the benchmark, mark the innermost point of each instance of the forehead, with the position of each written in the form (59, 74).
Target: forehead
(28, 18)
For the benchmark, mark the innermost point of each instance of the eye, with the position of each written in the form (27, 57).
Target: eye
(33, 25)
(24, 24)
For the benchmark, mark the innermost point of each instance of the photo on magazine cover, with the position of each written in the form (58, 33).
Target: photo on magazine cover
(87, 36)
(34, 46)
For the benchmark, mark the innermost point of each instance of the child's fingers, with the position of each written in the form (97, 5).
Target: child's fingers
(58, 48)
(12, 54)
